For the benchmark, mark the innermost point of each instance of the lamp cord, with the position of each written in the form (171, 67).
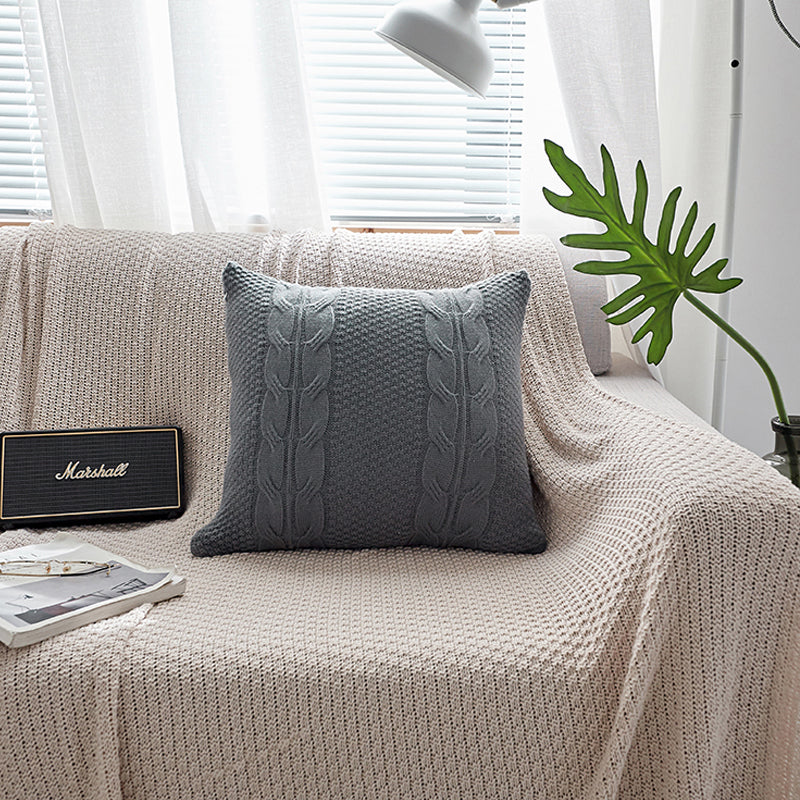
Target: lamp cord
(781, 24)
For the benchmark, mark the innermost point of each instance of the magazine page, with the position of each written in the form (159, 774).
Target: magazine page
(34, 601)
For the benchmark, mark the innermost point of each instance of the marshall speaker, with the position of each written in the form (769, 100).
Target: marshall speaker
(67, 477)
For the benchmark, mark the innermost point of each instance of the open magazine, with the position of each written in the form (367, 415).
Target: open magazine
(95, 584)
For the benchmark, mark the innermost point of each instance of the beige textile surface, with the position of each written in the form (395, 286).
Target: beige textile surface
(628, 380)
(651, 652)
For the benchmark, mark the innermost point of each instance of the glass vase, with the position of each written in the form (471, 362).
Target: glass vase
(787, 446)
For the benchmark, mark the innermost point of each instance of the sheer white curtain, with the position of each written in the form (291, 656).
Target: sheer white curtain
(174, 116)
(601, 56)
(695, 117)
(653, 87)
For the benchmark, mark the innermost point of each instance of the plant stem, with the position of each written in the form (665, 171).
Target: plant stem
(794, 466)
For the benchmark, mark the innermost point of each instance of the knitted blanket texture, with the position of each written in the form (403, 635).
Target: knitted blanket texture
(653, 650)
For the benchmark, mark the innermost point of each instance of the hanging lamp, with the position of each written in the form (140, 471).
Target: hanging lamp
(444, 36)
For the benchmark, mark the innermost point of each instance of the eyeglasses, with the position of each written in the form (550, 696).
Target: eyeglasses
(54, 568)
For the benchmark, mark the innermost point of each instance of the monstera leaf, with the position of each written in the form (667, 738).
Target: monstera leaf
(664, 274)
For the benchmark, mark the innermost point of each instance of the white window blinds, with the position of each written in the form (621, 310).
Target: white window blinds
(23, 184)
(401, 145)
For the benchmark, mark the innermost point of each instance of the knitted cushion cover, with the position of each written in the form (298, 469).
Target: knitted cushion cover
(368, 417)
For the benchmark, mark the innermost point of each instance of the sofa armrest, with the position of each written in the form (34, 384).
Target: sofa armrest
(659, 518)
(630, 381)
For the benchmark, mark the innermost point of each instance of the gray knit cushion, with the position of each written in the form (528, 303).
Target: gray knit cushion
(374, 418)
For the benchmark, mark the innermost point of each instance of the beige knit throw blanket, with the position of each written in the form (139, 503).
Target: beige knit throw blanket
(653, 651)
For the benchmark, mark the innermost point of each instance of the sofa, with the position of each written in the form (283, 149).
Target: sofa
(652, 650)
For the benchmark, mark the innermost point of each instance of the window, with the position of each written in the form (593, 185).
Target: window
(401, 145)
(23, 183)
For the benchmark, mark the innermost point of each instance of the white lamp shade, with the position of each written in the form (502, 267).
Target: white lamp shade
(444, 36)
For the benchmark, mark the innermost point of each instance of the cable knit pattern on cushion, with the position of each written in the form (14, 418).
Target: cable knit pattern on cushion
(294, 417)
(459, 468)
(424, 445)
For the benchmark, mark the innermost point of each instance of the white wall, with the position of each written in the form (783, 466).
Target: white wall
(766, 248)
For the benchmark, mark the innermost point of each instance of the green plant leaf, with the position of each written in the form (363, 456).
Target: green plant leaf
(664, 274)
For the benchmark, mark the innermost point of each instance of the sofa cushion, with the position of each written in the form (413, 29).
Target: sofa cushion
(368, 417)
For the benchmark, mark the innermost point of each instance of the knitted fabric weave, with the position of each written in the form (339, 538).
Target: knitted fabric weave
(365, 417)
(651, 652)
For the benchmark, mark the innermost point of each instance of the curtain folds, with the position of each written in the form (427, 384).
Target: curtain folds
(174, 116)
(603, 61)
(695, 118)
(670, 110)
